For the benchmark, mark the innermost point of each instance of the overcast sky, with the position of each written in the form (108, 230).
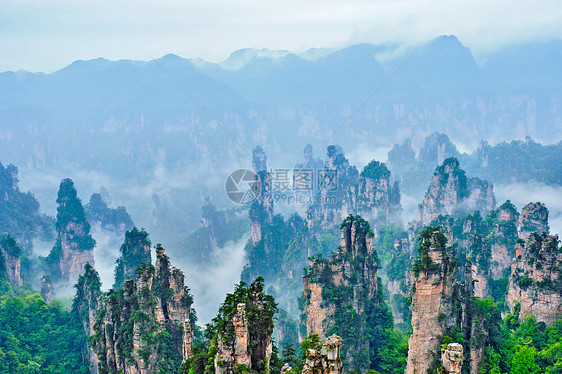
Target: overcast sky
(47, 35)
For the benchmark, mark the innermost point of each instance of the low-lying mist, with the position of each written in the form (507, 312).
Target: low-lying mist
(211, 281)
(106, 253)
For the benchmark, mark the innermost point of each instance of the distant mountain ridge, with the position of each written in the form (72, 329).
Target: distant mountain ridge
(444, 64)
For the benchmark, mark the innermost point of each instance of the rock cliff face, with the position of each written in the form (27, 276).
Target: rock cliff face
(444, 305)
(243, 336)
(346, 285)
(146, 326)
(452, 358)
(432, 301)
(74, 247)
(319, 315)
(86, 305)
(451, 193)
(325, 360)
(536, 277)
(230, 355)
(504, 237)
(478, 249)
(534, 218)
(10, 255)
(134, 252)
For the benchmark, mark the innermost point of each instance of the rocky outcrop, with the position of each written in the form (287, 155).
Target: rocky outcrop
(452, 358)
(534, 218)
(357, 242)
(173, 302)
(10, 255)
(334, 181)
(74, 247)
(451, 193)
(309, 161)
(230, 355)
(86, 305)
(536, 277)
(479, 252)
(134, 252)
(436, 148)
(447, 189)
(114, 219)
(346, 285)
(377, 194)
(432, 302)
(261, 211)
(325, 360)
(146, 326)
(20, 216)
(504, 234)
(243, 336)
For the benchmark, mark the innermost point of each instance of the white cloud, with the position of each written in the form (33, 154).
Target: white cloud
(210, 282)
(106, 253)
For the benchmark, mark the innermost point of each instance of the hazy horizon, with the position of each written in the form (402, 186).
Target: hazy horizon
(40, 37)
